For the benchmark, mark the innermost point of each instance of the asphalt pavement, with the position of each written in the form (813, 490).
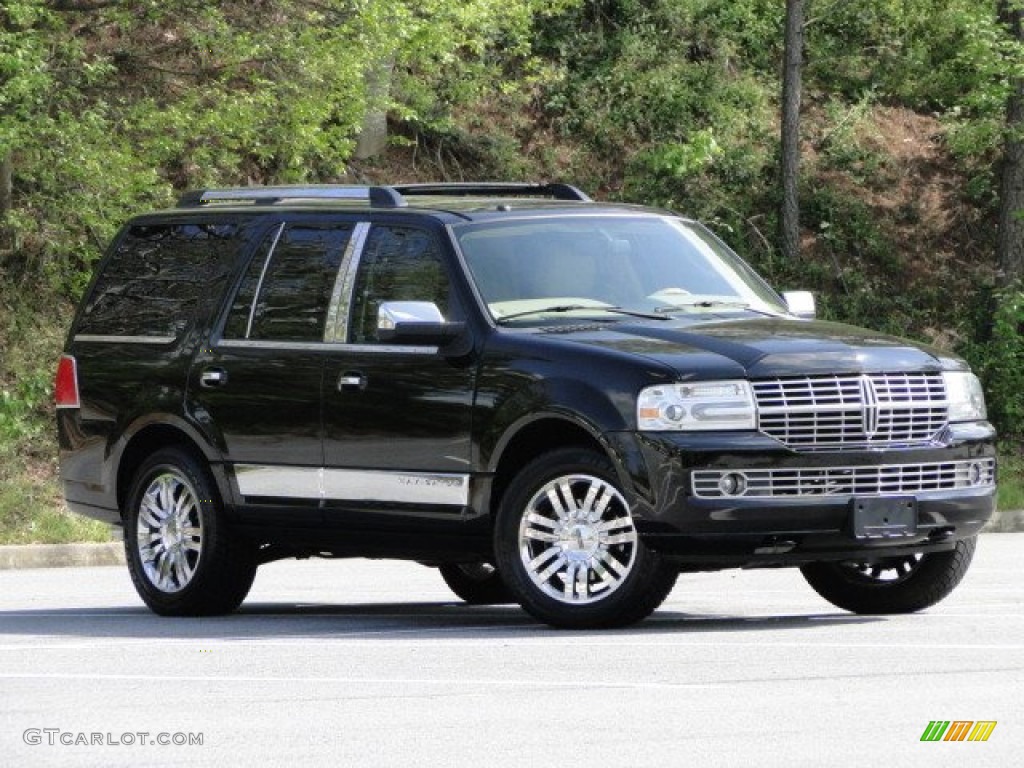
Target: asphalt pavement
(362, 663)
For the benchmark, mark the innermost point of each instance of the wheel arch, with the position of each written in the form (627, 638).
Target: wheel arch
(551, 410)
(539, 434)
(148, 438)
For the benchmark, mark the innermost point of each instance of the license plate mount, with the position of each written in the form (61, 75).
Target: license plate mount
(890, 517)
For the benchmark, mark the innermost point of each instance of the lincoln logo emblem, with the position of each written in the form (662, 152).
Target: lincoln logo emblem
(869, 406)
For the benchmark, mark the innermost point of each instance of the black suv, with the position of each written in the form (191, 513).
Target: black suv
(554, 401)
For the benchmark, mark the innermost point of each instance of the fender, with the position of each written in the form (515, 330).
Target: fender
(570, 400)
(118, 450)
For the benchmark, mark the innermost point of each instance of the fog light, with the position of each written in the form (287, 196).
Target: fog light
(976, 473)
(733, 484)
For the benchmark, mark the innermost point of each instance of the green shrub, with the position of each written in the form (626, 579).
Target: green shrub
(996, 352)
(19, 409)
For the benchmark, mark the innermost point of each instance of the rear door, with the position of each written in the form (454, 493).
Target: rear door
(258, 384)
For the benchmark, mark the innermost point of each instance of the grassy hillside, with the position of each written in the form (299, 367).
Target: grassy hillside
(31, 507)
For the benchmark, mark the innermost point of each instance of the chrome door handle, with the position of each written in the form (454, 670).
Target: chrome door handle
(353, 380)
(213, 377)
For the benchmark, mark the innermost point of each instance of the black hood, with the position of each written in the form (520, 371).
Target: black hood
(766, 347)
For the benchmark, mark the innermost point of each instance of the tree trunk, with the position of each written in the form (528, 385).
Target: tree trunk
(6, 204)
(791, 76)
(6, 186)
(373, 137)
(1010, 245)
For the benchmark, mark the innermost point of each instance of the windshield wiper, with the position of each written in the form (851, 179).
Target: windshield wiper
(559, 308)
(709, 303)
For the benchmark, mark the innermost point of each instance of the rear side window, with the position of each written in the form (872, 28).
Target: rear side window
(285, 291)
(157, 278)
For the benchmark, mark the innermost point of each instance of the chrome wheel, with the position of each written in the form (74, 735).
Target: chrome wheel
(169, 532)
(901, 584)
(892, 570)
(577, 541)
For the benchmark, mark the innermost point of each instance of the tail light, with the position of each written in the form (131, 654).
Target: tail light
(65, 383)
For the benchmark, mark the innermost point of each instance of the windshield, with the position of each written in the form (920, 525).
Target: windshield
(661, 265)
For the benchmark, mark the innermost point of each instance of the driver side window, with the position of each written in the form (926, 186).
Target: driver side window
(397, 264)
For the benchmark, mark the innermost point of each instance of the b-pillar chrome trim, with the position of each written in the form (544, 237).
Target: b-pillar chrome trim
(336, 327)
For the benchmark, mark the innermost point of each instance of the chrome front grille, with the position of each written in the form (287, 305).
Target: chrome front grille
(848, 412)
(845, 481)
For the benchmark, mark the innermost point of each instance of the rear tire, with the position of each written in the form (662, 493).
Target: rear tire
(183, 558)
(568, 549)
(476, 583)
(902, 584)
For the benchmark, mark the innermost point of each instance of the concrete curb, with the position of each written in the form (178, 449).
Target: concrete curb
(1009, 521)
(112, 553)
(60, 555)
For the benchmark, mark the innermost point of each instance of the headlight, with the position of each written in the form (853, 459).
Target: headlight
(966, 400)
(701, 405)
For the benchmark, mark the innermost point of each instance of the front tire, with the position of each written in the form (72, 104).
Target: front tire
(183, 559)
(903, 584)
(568, 548)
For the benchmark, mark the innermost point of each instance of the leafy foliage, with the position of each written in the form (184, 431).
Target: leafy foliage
(997, 355)
(109, 107)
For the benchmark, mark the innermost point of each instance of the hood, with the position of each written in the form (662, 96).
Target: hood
(765, 347)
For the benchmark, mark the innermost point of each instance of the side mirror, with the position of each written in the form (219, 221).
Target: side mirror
(801, 304)
(418, 323)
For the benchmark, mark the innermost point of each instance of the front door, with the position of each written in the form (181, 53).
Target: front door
(397, 418)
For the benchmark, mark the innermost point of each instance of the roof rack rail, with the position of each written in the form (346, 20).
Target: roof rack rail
(383, 197)
(377, 196)
(494, 189)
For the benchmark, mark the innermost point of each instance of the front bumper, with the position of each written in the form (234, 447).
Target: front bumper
(804, 513)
